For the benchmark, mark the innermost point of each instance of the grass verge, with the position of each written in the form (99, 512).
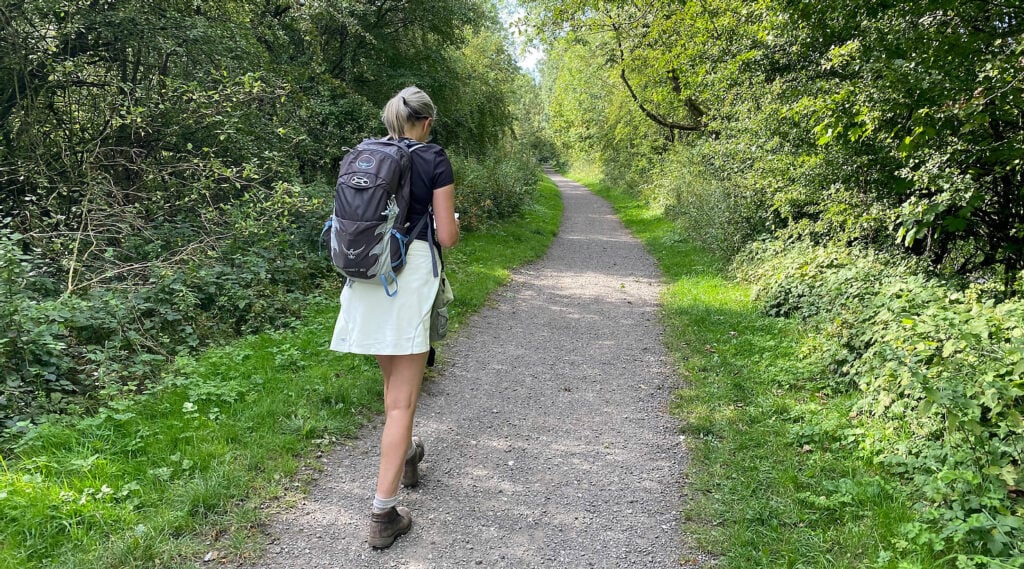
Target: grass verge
(187, 470)
(775, 477)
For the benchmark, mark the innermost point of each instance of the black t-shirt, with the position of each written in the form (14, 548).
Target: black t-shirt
(431, 170)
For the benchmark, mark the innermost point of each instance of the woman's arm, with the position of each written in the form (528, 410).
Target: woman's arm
(444, 216)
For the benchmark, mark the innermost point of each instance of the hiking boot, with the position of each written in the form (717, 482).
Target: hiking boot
(387, 525)
(411, 474)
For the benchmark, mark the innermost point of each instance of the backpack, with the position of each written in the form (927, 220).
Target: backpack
(368, 230)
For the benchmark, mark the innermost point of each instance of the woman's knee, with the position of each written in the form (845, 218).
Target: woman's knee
(404, 403)
(400, 401)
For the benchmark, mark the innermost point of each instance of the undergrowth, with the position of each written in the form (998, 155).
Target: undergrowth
(937, 374)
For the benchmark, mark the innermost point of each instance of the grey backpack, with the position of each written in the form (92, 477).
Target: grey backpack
(368, 230)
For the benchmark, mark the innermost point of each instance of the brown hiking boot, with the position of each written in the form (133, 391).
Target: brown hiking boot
(411, 474)
(387, 525)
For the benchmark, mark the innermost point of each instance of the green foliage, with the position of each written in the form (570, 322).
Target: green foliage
(710, 182)
(103, 341)
(31, 351)
(495, 187)
(481, 86)
(940, 384)
(876, 146)
(166, 167)
(917, 95)
(530, 114)
(117, 484)
(572, 106)
(891, 125)
(718, 217)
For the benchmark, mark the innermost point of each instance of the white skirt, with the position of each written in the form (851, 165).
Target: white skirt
(371, 322)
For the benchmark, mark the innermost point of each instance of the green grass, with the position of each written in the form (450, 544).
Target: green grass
(164, 478)
(775, 478)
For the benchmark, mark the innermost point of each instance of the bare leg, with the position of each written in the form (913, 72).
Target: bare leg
(403, 376)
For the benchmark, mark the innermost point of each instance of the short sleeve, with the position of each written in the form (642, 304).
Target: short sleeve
(443, 174)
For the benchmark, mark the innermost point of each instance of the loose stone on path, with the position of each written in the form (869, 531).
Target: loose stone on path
(548, 438)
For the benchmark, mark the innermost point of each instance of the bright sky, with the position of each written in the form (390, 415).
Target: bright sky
(528, 60)
(526, 56)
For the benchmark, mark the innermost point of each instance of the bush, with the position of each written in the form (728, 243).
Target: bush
(32, 349)
(941, 375)
(181, 285)
(717, 212)
(495, 187)
(64, 351)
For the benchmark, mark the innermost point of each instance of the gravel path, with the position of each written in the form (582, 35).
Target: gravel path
(547, 434)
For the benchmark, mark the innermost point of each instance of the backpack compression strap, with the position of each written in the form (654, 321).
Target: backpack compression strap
(389, 278)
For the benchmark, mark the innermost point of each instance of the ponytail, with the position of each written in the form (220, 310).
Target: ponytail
(405, 109)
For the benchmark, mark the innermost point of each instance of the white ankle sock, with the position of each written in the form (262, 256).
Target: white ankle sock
(383, 504)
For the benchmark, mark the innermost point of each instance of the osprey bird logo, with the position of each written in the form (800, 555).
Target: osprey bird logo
(351, 254)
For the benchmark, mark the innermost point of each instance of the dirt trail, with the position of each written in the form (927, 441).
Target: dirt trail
(547, 434)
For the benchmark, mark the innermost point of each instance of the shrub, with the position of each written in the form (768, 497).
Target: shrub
(941, 376)
(717, 212)
(249, 266)
(64, 351)
(495, 187)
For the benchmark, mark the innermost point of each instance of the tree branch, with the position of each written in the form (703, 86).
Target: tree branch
(671, 125)
(654, 116)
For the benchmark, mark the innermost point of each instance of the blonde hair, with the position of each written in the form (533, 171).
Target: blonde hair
(406, 108)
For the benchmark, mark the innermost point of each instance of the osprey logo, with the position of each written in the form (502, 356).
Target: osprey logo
(365, 162)
(359, 181)
(351, 254)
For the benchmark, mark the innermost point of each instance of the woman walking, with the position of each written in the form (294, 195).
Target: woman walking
(396, 329)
